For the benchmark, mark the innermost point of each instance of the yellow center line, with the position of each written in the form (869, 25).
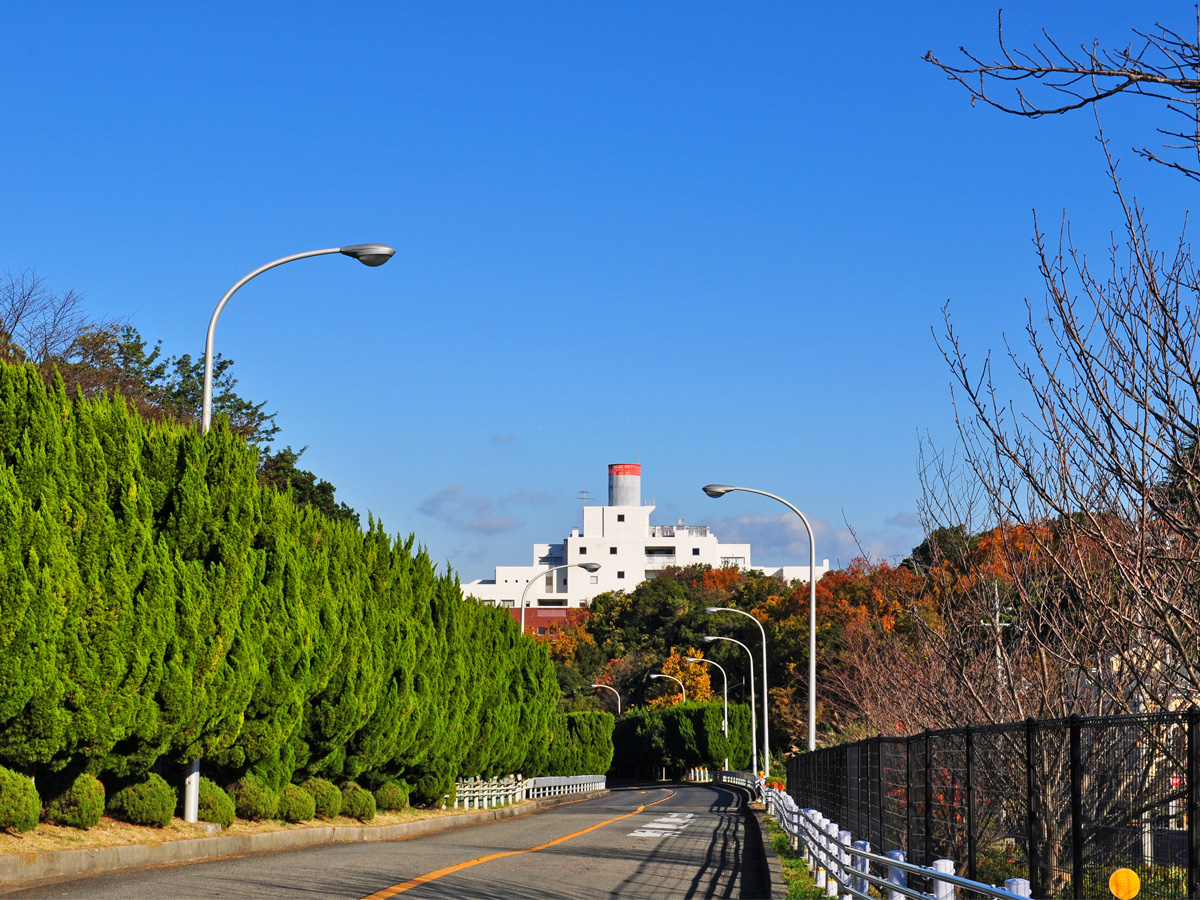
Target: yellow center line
(458, 867)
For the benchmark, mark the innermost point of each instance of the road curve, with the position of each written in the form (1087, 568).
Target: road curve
(640, 842)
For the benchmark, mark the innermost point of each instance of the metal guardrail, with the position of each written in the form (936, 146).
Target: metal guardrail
(747, 780)
(848, 869)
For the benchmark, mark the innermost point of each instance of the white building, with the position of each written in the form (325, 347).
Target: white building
(620, 539)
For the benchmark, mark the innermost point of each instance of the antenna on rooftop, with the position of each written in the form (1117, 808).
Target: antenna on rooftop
(584, 496)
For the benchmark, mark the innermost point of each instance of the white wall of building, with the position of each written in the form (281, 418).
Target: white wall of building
(628, 549)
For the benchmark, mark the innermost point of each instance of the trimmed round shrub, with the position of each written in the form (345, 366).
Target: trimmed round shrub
(391, 795)
(357, 802)
(215, 805)
(149, 802)
(19, 802)
(296, 804)
(253, 799)
(326, 796)
(80, 806)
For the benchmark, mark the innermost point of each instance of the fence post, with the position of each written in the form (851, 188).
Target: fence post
(1076, 807)
(860, 864)
(972, 838)
(1018, 886)
(880, 839)
(896, 875)
(1035, 880)
(927, 857)
(1193, 803)
(910, 798)
(943, 890)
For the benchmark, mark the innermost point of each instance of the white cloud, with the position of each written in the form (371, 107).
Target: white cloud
(783, 540)
(476, 513)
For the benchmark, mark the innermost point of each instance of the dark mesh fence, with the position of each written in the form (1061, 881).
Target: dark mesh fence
(1061, 802)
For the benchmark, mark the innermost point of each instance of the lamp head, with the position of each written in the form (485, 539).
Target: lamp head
(656, 675)
(718, 490)
(710, 638)
(369, 254)
(599, 685)
(692, 659)
(589, 566)
(712, 609)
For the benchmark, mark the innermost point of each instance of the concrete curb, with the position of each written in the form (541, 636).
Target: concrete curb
(774, 866)
(23, 870)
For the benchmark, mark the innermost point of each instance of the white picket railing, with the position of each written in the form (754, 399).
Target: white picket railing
(846, 868)
(479, 793)
(551, 786)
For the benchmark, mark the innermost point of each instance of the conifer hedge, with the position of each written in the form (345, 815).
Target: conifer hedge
(157, 605)
(680, 737)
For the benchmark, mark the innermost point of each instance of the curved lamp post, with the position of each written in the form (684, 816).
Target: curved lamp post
(614, 690)
(367, 254)
(753, 722)
(587, 567)
(725, 683)
(720, 490)
(674, 679)
(766, 712)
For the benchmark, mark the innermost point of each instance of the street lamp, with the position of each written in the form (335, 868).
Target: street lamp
(720, 490)
(766, 712)
(587, 567)
(614, 690)
(368, 254)
(725, 682)
(753, 722)
(674, 679)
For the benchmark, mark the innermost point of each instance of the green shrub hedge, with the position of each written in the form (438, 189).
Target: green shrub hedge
(80, 806)
(296, 804)
(215, 805)
(357, 802)
(253, 799)
(19, 802)
(149, 802)
(391, 795)
(326, 797)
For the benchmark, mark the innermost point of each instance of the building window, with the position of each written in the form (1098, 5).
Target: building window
(620, 517)
(508, 602)
(595, 579)
(541, 630)
(612, 551)
(733, 562)
(695, 551)
(552, 603)
(620, 574)
(583, 551)
(550, 583)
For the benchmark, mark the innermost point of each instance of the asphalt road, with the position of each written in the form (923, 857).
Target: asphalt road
(639, 842)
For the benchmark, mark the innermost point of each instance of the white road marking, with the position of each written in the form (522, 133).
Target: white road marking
(669, 825)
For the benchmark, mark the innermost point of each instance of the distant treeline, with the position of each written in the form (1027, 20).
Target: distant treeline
(158, 605)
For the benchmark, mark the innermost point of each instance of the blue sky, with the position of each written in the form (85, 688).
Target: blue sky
(715, 234)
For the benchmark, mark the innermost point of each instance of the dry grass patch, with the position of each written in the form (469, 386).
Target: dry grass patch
(111, 833)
